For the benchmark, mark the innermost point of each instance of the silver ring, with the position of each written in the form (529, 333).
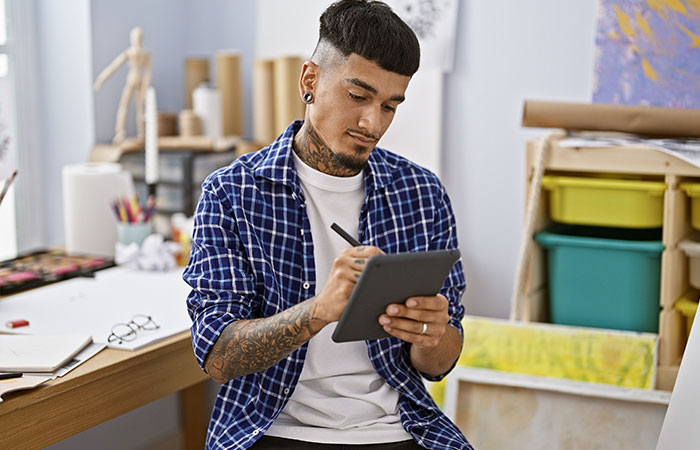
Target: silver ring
(425, 328)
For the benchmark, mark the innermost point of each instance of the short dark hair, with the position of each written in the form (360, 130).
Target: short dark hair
(373, 31)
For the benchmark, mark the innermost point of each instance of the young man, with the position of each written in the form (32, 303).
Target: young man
(270, 278)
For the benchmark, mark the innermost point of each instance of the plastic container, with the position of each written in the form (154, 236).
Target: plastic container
(693, 191)
(604, 277)
(691, 248)
(606, 202)
(687, 306)
(128, 233)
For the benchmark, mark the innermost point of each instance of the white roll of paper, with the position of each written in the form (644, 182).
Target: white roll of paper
(89, 190)
(206, 102)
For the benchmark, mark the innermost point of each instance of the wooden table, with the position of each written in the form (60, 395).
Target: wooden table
(109, 384)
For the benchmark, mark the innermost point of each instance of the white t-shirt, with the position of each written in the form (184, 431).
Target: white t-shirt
(340, 398)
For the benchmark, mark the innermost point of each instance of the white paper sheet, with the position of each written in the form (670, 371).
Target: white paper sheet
(87, 353)
(687, 149)
(94, 306)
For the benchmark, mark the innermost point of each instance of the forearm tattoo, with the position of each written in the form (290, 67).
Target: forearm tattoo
(250, 346)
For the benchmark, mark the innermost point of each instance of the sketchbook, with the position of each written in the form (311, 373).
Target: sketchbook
(39, 353)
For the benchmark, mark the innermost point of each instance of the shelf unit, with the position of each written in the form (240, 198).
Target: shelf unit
(181, 173)
(638, 160)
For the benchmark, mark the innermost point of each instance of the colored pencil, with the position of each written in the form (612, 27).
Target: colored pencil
(135, 210)
(128, 209)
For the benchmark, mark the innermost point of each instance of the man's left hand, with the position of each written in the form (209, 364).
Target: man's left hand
(421, 321)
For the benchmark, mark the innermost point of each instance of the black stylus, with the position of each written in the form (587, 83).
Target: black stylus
(7, 376)
(351, 240)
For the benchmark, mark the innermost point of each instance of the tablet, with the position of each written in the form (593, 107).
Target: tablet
(391, 279)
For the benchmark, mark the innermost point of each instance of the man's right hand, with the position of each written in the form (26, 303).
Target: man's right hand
(345, 272)
(248, 346)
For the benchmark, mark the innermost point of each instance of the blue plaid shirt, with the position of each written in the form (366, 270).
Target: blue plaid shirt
(252, 257)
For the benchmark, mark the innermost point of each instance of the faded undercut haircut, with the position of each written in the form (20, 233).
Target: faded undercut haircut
(371, 30)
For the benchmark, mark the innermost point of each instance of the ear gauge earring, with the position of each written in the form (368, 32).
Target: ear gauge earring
(308, 97)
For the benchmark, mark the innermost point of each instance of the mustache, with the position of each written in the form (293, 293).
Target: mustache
(363, 134)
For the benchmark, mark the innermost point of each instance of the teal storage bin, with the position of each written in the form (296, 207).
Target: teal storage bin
(604, 277)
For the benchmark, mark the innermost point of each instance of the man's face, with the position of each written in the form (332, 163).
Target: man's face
(354, 103)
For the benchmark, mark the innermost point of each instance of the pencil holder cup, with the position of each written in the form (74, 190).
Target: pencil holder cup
(128, 233)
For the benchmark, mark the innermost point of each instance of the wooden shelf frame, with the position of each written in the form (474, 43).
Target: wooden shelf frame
(639, 160)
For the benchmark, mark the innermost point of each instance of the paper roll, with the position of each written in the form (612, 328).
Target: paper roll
(263, 102)
(196, 72)
(206, 102)
(88, 192)
(651, 121)
(228, 76)
(188, 123)
(288, 104)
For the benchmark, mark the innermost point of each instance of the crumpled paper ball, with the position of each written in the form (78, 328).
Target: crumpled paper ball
(154, 254)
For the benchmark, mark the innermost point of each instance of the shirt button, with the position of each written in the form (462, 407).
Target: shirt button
(286, 391)
(306, 285)
(302, 232)
(255, 432)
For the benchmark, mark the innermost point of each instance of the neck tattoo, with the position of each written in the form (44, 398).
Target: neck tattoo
(311, 149)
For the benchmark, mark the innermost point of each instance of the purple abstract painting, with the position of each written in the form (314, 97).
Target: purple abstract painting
(648, 53)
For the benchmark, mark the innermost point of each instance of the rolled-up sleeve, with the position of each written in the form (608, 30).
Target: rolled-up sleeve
(444, 238)
(222, 281)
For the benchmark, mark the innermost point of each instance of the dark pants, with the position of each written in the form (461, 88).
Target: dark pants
(275, 443)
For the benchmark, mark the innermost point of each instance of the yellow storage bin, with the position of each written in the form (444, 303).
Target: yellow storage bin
(693, 191)
(605, 202)
(688, 306)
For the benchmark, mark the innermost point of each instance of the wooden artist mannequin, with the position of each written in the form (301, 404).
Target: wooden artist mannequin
(138, 79)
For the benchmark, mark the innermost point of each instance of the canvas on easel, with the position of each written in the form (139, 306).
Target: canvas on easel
(680, 430)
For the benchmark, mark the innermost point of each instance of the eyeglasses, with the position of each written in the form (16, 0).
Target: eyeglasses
(125, 332)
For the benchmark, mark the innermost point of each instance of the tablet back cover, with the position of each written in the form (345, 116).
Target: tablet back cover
(391, 279)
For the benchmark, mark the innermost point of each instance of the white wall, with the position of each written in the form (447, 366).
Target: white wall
(77, 39)
(165, 31)
(225, 25)
(415, 132)
(173, 30)
(65, 79)
(506, 52)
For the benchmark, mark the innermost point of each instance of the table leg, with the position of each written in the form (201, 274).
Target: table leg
(194, 417)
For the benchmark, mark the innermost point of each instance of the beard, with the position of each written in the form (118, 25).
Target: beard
(351, 162)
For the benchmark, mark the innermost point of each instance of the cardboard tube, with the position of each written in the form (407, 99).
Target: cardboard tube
(196, 72)
(228, 73)
(288, 104)
(650, 121)
(263, 101)
(188, 123)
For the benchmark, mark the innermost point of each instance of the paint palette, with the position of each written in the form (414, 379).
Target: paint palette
(46, 266)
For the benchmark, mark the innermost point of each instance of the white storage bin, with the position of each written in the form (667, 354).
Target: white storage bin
(691, 247)
(171, 166)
